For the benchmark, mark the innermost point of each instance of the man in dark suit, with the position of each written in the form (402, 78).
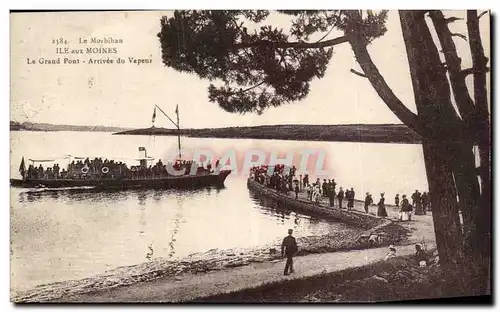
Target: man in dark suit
(289, 248)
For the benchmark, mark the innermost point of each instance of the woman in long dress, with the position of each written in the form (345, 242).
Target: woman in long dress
(381, 212)
(317, 193)
(405, 209)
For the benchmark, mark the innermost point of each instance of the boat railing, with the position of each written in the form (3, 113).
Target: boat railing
(133, 175)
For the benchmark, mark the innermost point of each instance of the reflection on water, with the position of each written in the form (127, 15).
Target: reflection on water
(75, 233)
(71, 195)
(150, 253)
(67, 234)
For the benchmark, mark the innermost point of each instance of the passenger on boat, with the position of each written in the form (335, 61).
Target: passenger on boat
(30, 171)
(55, 170)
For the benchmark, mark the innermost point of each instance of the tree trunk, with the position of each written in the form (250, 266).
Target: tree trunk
(467, 185)
(447, 228)
(463, 158)
(433, 101)
(483, 135)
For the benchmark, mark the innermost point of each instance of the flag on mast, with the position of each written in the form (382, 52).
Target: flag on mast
(177, 109)
(154, 115)
(142, 149)
(22, 167)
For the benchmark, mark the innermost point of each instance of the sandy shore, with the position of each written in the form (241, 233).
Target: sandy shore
(198, 270)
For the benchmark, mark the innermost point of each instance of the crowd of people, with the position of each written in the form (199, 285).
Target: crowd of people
(277, 177)
(283, 179)
(420, 204)
(98, 168)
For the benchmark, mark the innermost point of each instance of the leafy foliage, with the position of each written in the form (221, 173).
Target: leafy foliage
(253, 66)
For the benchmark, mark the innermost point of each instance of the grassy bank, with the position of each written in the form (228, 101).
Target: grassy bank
(347, 133)
(393, 280)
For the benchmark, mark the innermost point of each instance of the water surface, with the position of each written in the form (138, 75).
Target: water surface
(72, 234)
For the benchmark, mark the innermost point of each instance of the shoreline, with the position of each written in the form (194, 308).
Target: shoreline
(192, 287)
(198, 264)
(367, 133)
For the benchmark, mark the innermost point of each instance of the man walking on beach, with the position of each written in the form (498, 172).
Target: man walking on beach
(289, 248)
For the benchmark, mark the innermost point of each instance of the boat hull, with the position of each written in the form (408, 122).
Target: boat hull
(181, 182)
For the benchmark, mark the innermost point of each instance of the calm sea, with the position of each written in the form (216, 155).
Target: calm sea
(72, 234)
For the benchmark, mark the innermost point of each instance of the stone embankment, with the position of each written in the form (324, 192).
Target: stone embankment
(373, 227)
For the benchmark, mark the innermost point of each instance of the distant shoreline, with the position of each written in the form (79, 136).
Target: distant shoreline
(381, 133)
(338, 133)
(32, 126)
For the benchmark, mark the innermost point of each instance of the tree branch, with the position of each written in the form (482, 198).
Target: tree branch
(479, 62)
(326, 35)
(459, 35)
(452, 19)
(295, 45)
(253, 87)
(383, 90)
(470, 71)
(481, 15)
(453, 62)
(358, 73)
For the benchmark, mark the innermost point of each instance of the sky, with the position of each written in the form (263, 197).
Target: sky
(125, 94)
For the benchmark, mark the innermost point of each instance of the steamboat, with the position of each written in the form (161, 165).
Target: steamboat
(99, 173)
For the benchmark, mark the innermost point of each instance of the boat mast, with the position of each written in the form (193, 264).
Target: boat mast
(175, 124)
(178, 130)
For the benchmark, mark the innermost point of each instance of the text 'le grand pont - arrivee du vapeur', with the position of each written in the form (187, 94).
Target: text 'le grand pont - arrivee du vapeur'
(91, 50)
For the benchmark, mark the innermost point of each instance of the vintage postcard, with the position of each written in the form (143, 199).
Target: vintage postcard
(235, 156)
